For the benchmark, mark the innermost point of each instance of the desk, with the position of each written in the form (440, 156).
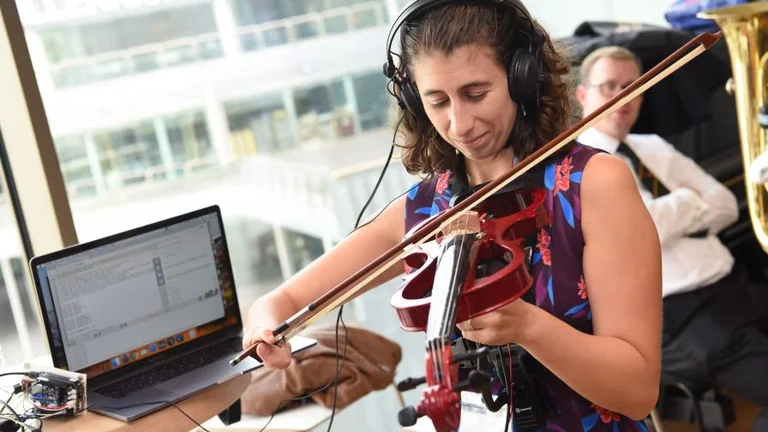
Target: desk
(201, 407)
(424, 424)
(299, 419)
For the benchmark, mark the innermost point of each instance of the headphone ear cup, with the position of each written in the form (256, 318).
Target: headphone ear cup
(523, 78)
(412, 100)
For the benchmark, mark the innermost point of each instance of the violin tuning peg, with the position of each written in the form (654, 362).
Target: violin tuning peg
(408, 416)
(410, 383)
(471, 355)
(477, 381)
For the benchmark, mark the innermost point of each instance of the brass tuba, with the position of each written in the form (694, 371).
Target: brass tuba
(745, 30)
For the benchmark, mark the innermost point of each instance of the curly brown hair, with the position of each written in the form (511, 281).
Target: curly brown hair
(490, 24)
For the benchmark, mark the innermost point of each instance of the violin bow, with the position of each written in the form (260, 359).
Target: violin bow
(354, 283)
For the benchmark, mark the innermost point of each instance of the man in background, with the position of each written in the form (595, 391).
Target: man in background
(715, 319)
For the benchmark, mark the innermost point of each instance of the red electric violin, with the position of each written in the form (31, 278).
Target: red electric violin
(445, 252)
(473, 266)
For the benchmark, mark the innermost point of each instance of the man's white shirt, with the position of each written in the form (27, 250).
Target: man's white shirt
(696, 202)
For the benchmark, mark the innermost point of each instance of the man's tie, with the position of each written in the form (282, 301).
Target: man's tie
(643, 173)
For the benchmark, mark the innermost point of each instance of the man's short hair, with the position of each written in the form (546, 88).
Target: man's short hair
(614, 52)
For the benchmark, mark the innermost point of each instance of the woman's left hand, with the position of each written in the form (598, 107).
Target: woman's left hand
(510, 323)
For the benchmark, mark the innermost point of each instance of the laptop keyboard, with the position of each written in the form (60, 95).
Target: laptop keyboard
(170, 370)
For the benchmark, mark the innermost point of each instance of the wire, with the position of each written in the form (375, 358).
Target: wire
(33, 413)
(189, 417)
(6, 403)
(341, 308)
(28, 374)
(339, 317)
(13, 411)
(146, 403)
(509, 384)
(378, 183)
(338, 370)
(18, 422)
(300, 398)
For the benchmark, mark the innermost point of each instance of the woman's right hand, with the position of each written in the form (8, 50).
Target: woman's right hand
(273, 357)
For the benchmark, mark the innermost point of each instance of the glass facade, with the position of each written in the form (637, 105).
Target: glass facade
(259, 125)
(244, 148)
(122, 46)
(177, 145)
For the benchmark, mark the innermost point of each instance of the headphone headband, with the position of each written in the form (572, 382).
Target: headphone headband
(418, 7)
(525, 67)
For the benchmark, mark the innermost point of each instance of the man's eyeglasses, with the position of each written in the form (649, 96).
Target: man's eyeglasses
(609, 88)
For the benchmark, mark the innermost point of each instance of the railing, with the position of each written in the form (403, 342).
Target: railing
(338, 194)
(117, 180)
(144, 58)
(50, 11)
(313, 25)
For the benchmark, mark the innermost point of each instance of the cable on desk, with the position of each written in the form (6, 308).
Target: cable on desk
(10, 408)
(158, 402)
(38, 417)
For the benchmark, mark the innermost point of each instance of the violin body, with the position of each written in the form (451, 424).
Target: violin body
(509, 218)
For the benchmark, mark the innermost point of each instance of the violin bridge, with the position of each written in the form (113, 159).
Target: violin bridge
(466, 223)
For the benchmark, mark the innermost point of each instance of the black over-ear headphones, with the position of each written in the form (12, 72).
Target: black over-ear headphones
(525, 70)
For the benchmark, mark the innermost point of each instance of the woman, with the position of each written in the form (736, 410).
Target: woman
(595, 325)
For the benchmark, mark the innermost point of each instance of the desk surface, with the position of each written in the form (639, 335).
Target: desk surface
(300, 419)
(206, 405)
(424, 424)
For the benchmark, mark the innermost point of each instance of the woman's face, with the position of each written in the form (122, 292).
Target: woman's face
(466, 97)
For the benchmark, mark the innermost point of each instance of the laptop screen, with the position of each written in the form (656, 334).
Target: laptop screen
(133, 296)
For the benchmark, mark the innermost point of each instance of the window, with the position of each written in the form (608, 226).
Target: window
(76, 166)
(128, 32)
(20, 329)
(131, 44)
(259, 125)
(267, 151)
(188, 138)
(13, 288)
(248, 12)
(302, 248)
(268, 23)
(372, 104)
(322, 111)
(129, 156)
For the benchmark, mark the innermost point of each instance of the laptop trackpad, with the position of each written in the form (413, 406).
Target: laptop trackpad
(198, 379)
(143, 399)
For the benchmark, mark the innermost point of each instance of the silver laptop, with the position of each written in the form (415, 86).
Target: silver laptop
(151, 315)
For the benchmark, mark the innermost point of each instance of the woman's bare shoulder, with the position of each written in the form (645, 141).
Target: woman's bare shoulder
(610, 195)
(607, 174)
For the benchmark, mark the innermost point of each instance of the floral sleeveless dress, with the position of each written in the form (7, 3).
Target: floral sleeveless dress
(557, 272)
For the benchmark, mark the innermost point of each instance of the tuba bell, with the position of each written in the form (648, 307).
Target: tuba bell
(745, 30)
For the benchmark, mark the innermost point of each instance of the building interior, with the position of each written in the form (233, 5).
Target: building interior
(117, 114)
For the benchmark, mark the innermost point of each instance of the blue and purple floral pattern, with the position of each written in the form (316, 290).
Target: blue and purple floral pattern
(557, 270)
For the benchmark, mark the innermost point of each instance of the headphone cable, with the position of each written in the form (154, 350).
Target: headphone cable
(341, 359)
